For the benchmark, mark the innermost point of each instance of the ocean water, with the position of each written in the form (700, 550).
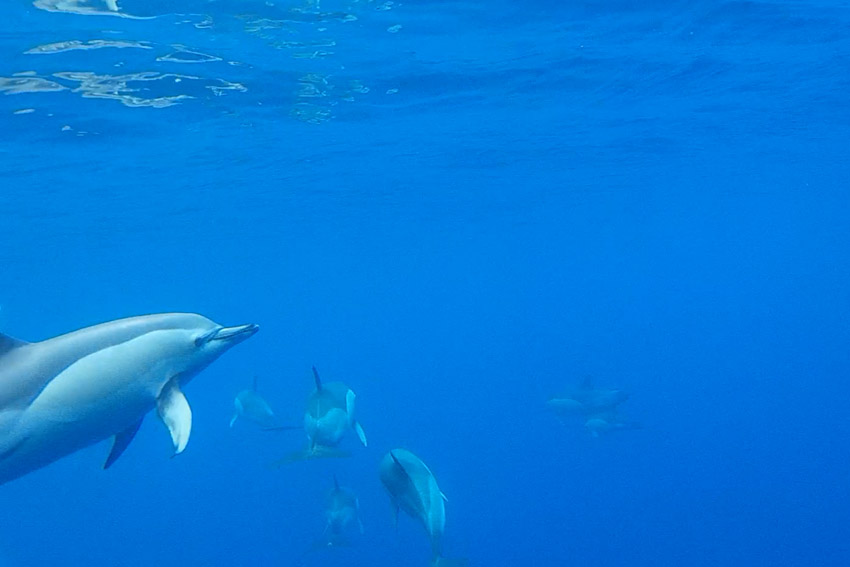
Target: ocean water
(460, 209)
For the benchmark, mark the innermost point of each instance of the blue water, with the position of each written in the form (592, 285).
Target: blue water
(458, 217)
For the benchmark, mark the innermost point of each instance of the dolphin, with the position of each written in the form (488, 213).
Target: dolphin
(342, 510)
(413, 488)
(71, 391)
(600, 424)
(251, 406)
(586, 400)
(329, 416)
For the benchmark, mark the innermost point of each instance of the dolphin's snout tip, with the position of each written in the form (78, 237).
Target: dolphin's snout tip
(234, 334)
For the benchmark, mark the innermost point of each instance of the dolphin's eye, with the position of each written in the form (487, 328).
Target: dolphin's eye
(199, 341)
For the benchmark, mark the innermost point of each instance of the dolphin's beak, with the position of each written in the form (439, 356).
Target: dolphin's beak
(233, 334)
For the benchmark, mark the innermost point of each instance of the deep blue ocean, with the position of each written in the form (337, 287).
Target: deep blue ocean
(459, 209)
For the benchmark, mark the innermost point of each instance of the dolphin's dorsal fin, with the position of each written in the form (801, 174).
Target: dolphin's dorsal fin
(399, 465)
(587, 383)
(336, 483)
(317, 379)
(176, 414)
(254, 383)
(121, 441)
(8, 343)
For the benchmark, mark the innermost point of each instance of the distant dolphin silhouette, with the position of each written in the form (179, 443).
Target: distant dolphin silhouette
(600, 424)
(250, 406)
(413, 488)
(586, 400)
(68, 392)
(342, 510)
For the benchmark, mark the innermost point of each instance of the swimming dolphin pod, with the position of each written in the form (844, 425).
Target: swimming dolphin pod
(413, 489)
(62, 394)
(596, 407)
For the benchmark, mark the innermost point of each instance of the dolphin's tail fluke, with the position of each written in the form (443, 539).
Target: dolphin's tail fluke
(317, 452)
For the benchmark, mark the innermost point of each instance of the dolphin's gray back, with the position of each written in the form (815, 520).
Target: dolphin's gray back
(414, 489)
(332, 395)
(27, 368)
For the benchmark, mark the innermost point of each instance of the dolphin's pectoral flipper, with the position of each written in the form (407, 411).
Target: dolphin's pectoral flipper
(445, 498)
(317, 379)
(121, 441)
(350, 396)
(8, 343)
(360, 433)
(176, 414)
(239, 410)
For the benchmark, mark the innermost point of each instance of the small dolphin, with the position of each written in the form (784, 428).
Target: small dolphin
(251, 406)
(586, 400)
(603, 423)
(68, 392)
(413, 488)
(329, 416)
(330, 413)
(342, 510)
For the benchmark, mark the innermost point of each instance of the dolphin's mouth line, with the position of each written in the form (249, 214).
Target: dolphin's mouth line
(231, 333)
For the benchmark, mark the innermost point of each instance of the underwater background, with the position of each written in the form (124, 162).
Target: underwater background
(459, 209)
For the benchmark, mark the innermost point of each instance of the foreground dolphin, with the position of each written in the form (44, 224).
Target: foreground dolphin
(68, 392)
(251, 406)
(342, 510)
(413, 488)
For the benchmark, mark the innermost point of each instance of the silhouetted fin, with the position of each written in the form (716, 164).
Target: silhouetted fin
(8, 343)
(443, 562)
(399, 465)
(395, 517)
(318, 452)
(336, 483)
(317, 379)
(120, 442)
(587, 383)
(254, 384)
(176, 414)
